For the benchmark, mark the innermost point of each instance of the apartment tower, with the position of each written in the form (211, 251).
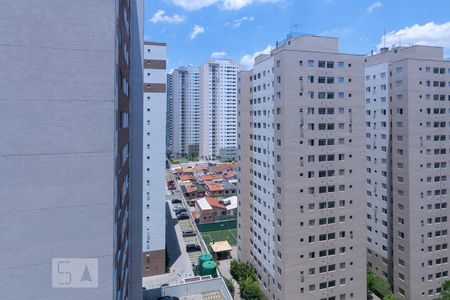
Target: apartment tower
(407, 120)
(169, 114)
(218, 109)
(300, 222)
(70, 148)
(186, 110)
(154, 159)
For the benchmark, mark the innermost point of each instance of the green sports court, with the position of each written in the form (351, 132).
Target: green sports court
(229, 235)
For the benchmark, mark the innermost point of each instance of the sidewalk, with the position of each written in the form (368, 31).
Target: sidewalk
(224, 267)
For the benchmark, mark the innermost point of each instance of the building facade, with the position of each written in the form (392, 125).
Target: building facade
(407, 119)
(186, 110)
(299, 219)
(68, 147)
(169, 114)
(154, 159)
(218, 109)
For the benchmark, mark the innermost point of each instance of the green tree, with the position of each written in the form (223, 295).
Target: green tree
(241, 271)
(250, 290)
(445, 295)
(370, 281)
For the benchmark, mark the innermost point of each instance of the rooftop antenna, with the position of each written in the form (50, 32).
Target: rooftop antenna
(399, 38)
(384, 37)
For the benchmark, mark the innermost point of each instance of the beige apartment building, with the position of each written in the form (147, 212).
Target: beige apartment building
(407, 144)
(301, 184)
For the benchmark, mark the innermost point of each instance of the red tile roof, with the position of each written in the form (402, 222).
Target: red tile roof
(187, 178)
(209, 177)
(224, 167)
(214, 186)
(229, 175)
(214, 202)
(190, 188)
(200, 168)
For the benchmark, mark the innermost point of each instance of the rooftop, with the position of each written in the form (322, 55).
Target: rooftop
(214, 186)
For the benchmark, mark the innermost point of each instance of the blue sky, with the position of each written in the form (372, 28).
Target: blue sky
(195, 30)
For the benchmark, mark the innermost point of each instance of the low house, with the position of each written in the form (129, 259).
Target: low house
(229, 175)
(193, 191)
(178, 172)
(223, 168)
(187, 177)
(211, 177)
(213, 189)
(200, 170)
(229, 189)
(211, 209)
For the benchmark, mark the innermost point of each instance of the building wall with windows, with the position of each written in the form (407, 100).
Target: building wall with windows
(186, 110)
(154, 159)
(68, 129)
(418, 92)
(169, 114)
(316, 154)
(218, 105)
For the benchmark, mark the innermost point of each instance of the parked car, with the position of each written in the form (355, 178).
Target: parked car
(168, 298)
(193, 248)
(180, 210)
(188, 232)
(174, 201)
(183, 216)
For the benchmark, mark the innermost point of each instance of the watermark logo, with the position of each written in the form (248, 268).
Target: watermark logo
(75, 272)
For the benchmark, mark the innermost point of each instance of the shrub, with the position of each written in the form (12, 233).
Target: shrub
(250, 290)
(241, 271)
(229, 285)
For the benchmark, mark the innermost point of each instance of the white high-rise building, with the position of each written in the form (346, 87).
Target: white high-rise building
(301, 158)
(185, 115)
(260, 111)
(407, 168)
(218, 109)
(169, 114)
(154, 159)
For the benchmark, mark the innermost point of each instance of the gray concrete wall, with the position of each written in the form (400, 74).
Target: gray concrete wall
(57, 76)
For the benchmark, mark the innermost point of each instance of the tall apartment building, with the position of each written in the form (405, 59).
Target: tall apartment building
(169, 114)
(154, 159)
(70, 148)
(300, 222)
(186, 110)
(407, 120)
(218, 109)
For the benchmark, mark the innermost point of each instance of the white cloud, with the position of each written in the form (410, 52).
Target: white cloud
(238, 22)
(160, 16)
(374, 6)
(193, 4)
(429, 34)
(219, 54)
(248, 60)
(226, 4)
(196, 31)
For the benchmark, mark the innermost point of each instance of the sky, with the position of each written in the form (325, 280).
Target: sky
(196, 30)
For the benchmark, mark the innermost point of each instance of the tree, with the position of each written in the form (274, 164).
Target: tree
(241, 271)
(370, 281)
(250, 290)
(445, 295)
